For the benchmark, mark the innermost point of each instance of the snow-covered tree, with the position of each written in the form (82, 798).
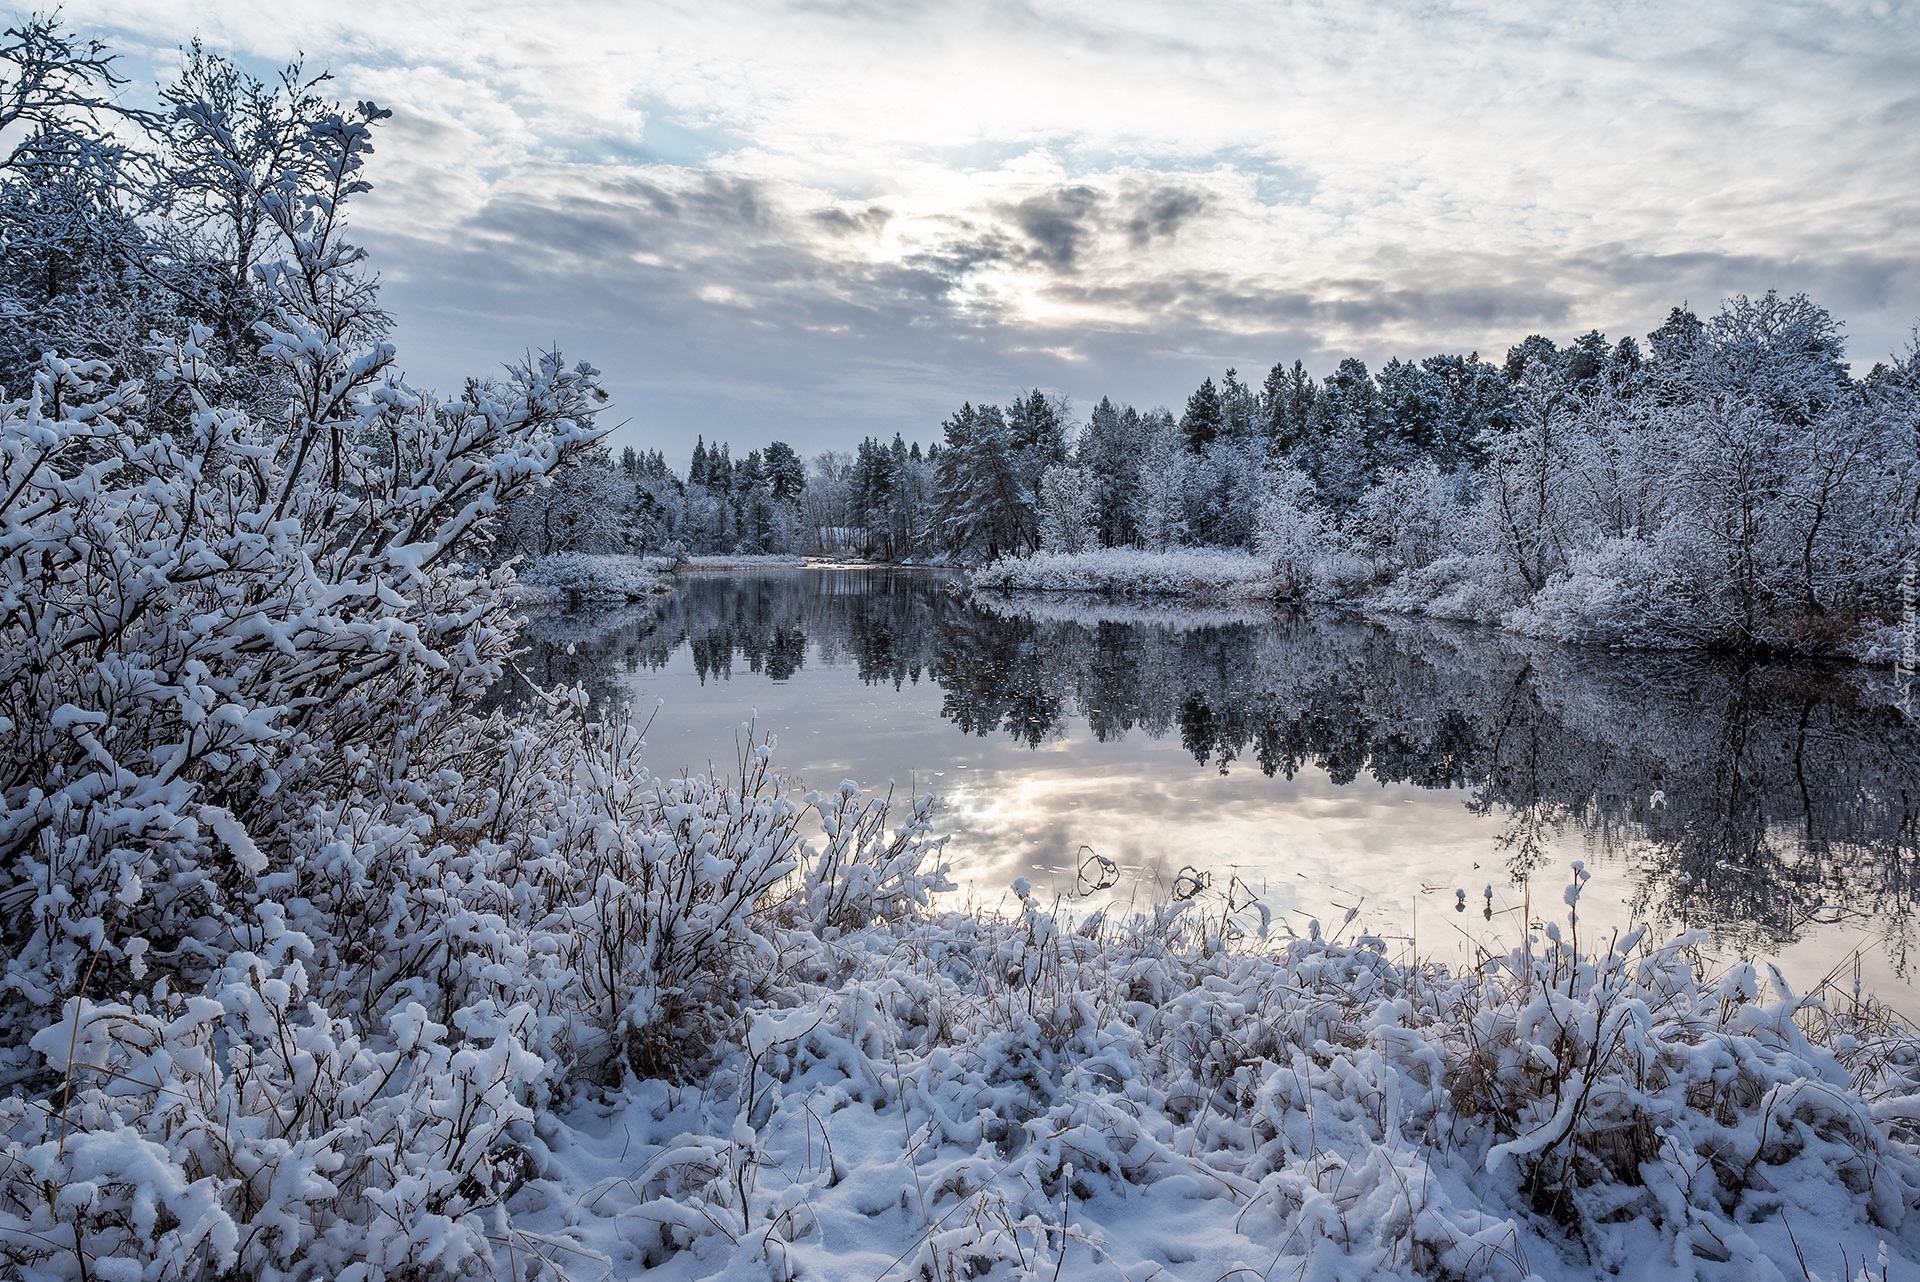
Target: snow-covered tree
(582, 507)
(1292, 533)
(1069, 510)
(987, 495)
(827, 501)
(1159, 512)
(1528, 469)
(1112, 450)
(1415, 516)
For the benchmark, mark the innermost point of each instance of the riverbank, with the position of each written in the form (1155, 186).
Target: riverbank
(1202, 574)
(571, 577)
(1618, 615)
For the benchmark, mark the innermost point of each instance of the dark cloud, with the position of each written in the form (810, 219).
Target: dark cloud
(1061, 224)
(870, 221)
(1162, 210)
(1058, 223)
(968, 248)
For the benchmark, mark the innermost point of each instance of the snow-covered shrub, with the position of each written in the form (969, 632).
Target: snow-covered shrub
(863, 872)
(577, 576)
(1415, 515)
(1647, 592)
(237, 692)
(202, 638)
(289, 964)
(1191, 572)
(242, 1130)
(668, 874)
(1617, 1084)
(1110, 1098)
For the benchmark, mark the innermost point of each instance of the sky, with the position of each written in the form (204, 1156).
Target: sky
(814, 222)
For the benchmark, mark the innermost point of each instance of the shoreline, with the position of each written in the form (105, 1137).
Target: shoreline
(1240, 577)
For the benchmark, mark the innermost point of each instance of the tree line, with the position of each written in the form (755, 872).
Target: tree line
(1727, 483)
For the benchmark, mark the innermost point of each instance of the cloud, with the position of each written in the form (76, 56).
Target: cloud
(843, 218)
(1161, 210)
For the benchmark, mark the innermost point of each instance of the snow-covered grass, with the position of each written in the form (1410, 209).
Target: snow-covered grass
(1178, 572)
(577, 576)
(743, 560)
(1618, 594)
(1090, 611)
(973, 1095)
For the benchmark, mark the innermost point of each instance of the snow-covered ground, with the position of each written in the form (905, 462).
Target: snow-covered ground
(1206, 573)
(743, 560)
(1453, 589)
(578, 576)
(979, 1097)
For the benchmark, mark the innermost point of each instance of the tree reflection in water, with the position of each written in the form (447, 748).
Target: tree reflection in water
(1750, 799)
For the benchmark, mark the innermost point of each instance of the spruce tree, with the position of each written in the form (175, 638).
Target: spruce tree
(1204, 417)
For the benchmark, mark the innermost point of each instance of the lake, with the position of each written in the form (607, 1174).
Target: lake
(1311, 763)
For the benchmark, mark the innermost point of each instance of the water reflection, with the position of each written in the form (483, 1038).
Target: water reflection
(1764, 803)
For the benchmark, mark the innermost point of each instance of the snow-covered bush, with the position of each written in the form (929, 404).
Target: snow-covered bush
(1183, 572)
(1116, 1099)
(576, 576)
(297, 939)
(241, 658)
(1618, 1084)
(1414, 516)
(1645, 592)
(243, 1129)
(666, 877)
(863, 873)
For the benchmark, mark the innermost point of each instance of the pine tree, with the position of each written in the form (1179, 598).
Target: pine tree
(1536, 347)
(785, 472)
(1351, 429)
(1112, 451)
(1287, 400)
(986, 505)
(1204, 418)
(1239, 408)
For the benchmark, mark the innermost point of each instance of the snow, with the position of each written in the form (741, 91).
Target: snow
(744, 561)
(317, 967)
(996, 1097)
(1207, 573)
(577, 576)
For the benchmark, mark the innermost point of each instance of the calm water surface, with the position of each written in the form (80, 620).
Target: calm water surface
(1314, 762)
